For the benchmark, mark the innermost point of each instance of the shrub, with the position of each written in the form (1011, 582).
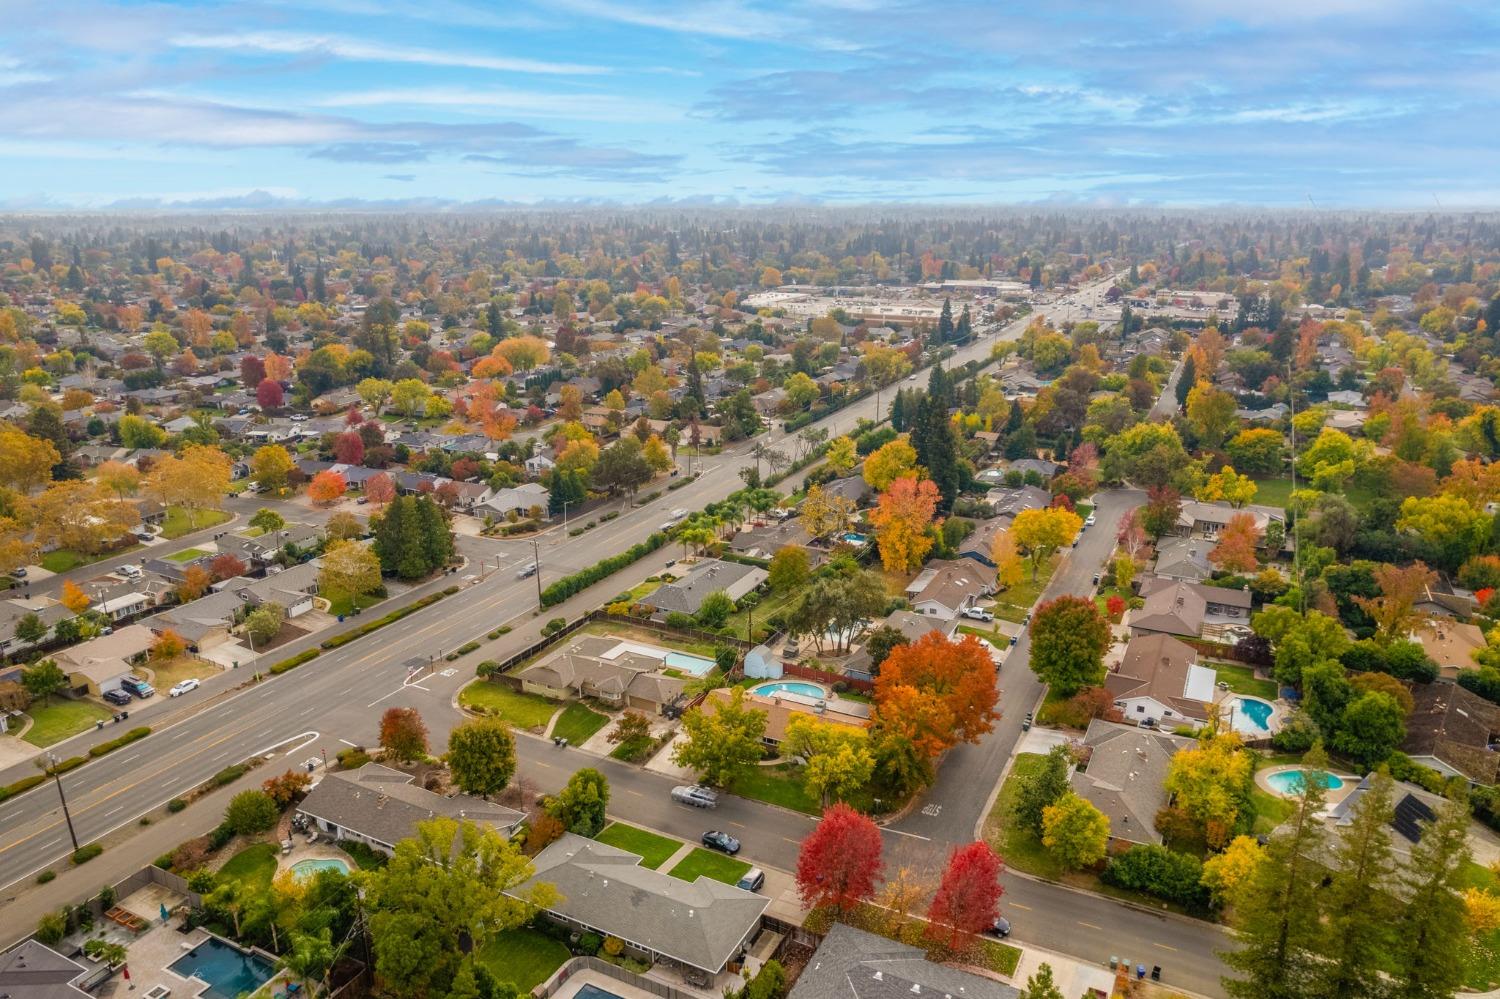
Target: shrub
(353, 758)
(52, 927)
(124, 740)
(290, 664)
(190, 854)
(678, 619)
(24, 784)
(553, 626)
(589, 944)
(371, 626)
(45, 876)
(219, 836)
(486, 669)
(1155, 870)
(614, 946)
(176, 805)
(564, 588)
(229, 775)
(164, 862)
(84, 854)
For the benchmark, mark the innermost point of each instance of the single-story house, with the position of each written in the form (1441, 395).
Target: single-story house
(948, 587)
(981, 540)
(379, 807)
(914, 625)
(1454, 731)
(701, 925)
(686, 594)
(616, 682)
(101, 663)
(1007, 501)
(1183, 559)
(1413, 807)
(780, 709)
(32, 970)
(854, 964)
(519, 500)
(764, 542)
(1202, 519)
(1125, 777)
(1451, 644)
(1221, 604)
(1160, 682)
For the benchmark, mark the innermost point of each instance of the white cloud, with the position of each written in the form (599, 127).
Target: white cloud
(513, 103)
(296, 43)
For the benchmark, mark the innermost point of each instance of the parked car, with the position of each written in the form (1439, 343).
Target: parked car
(182, 687)
(527, 571)
(1026, 722)
(753, 880)
(1090, 519)
(19, 572)
(698, 797)
(978, 614)
(115, 695)
(1001, 928)
(1096, 579)
(131, 571)
(721, 841)
(678, 513)
(140, 688)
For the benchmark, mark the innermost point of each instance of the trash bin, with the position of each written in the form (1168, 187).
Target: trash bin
(1156, 972)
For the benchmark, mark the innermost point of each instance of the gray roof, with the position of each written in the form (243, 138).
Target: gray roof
(32, 970)
(1126, 771)
(702, 924)
(709, 576)
(1183, 558)
(384, 805)
(853, 964)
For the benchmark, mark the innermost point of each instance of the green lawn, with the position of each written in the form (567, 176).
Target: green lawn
(63, 718)
(64, 559)
(186, 555)
(523, 957)
(779, 785)
(180, 521)
(253, 867)
(1014, 604)
(652, 849)
(344, 606)
(526, 711)
(757, 616)
(1242, 680)
(578, 722)
(1278, 492)
(1484, 956)
(634, 750)
(711, 865)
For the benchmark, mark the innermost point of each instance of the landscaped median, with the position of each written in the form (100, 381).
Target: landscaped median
(566, 587)
(74, 762)
(337, 641)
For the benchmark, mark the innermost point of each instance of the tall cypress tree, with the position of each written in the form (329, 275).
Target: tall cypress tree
(965, 327)
(1361, 925)
(945, 323)
(898, 411)
(1188, 379)
(1280, 930)
(1430, 950)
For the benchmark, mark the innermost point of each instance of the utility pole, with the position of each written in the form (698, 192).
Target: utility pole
(1291, 398)
(49, 764)
(536, 560)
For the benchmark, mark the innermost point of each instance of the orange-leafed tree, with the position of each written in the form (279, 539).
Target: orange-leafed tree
(937, 692)
(73, 597)
(326, 487)
(1395, 610)
(380, 489)
(168, 645)
(839, 863)
(403, 734)
(1235, 551)
(227, 566)
(195, 582)
(968, 898)
(903, 520)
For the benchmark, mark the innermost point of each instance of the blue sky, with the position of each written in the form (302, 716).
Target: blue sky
(1177, 102)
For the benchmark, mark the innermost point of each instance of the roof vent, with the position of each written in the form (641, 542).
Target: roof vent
(879, 977)
(916, 989)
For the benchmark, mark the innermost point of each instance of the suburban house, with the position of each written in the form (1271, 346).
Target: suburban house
(853, 964)
(1125, 777)
(763, 542)
(1451, 644)
(981, 541)
(1189, 610)
(781, 708)
(1414, 806)
(687, 593)
(11, 613)
(621, 683)
(379, 807)
(1454, 731)
(948, 587)
(32, 970)
(853, 488)
(914, 625)
(1006, 501)
(1183, 559)
(702, 925)
(1159, 682)
(518, 500)
(101, 663)
(1200, 519)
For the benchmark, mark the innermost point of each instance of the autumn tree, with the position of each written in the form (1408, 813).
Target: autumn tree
(195, 582)
(722, 743)
(841, 455)
(1211, 783)
(1075, 831)
(1394, 611)
(968, 897)
(1226, 874)
(840, 862)
(903, 519)
(270, 466)
(1229, 486)
(894, 460)
(937, 692)
(26, 462)
(227, 566)
(1235, 551)
(823, 514)
(1212, 414)
(198, 480)
(837, 760)
(80, 515)
(403, 734)
(119, 478)
(1163, 507)
(326, 487)
(350, 571)
(481, 756)
(269, 395)
(1068, 641)
(1008, 567)
(167, 646)
(73, 597)
(1042, 532)
(380, 489)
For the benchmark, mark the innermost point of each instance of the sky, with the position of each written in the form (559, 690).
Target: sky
(266, 103)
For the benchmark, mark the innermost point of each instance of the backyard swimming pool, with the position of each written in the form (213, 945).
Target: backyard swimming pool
(1289, 782)
(696, 665)
(1252, 715)
(229, 971)
(789, 687)
(310, 868)
(594, 992)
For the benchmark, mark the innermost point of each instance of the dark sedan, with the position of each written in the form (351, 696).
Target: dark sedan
(721, 841)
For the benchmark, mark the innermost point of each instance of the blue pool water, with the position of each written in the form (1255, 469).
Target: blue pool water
(595, 992)
(1252, 715)
(310, 868)
(789, 687)
(228, 971)
(696, 665)
(1289, 782)
(855, 539)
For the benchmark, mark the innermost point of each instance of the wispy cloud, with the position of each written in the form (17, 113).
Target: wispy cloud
(334, 46)
(513, 103)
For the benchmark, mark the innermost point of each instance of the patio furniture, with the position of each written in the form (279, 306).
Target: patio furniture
(124, 917)
(286, 845)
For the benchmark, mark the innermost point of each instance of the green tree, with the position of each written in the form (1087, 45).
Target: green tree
(267, 520)
(1068, 640)
(1373, 725)
(715, 610)
(310, 958)
(1042, 532)
(722, 743)
(43, 680)
(1362, 923)
(1041, 790)
(1279, 914)
(1431, 946)
(482, 756)
(789, 569)
(265, 622)
(837, 758)
(412, 538)
(879, 644)
(250, 812)
(1041, 985)
(580, 805)
(1075, 831)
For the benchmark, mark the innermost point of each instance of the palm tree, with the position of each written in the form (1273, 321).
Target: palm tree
(311, 957)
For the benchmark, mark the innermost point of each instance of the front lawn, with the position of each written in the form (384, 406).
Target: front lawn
(1484, 954)
(1242, 680)
(343, 606)
(174, 671)
(578, 722)
(253, 867)
(651, 848)
(779, 785)
(64, 559)
(715, 866)
(180, 521)
(1014, 603)
(186, 555)
(1277, 492)
(63, 718)
(523, 957)
(524, 711)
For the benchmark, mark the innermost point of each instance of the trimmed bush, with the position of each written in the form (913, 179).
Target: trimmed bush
(1155, 870)
(462, 650)
(352, 758)
(290, 664)
(164, 862)
(219, 836)
(124, 740)
(569, 585)
(340, 640)
(45, 876)
(229, 775)
(176, 805)
(84, 854)
(250, 812)
(553, 626)
(24, 784)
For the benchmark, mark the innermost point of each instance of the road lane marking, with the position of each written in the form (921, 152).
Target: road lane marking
(789, 839)
(739, 825)
(112, 811)
(1089, 925)
(129, 758)
(1167, 947)
(1018, 905)
(902, 832)
(636, 793)
(350, 744)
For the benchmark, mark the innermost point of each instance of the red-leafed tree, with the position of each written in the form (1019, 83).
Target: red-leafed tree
(252, 372)
(326, 487)
(352, 416)
(403, 734)
(349, 448)
(268, 393)
(227, 566)
(1235, 551)
(380, 488)
(840, 860)
(968, 899)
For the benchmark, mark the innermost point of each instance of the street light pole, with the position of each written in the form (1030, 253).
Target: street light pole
(536, 558)
(51, 765)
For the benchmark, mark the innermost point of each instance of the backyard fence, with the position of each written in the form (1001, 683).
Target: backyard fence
(826, 676)
(577, 964)
(691, 634)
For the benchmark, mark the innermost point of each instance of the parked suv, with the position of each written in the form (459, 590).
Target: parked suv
(140, 688)
(753, 880)
(116, 696)
(698, 797)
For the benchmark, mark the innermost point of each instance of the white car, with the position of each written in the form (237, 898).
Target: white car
(178, 689)
(1089, 520)
(978, 614)
(678, 513)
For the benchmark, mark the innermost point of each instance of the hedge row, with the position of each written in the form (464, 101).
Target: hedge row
(24, 784)
(124, 740)
(380, 622)
(569, 585)
(74, 762)
(290, 664)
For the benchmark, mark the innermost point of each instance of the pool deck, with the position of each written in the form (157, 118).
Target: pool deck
(1280, 711)
(1335, 795)
(302, 850)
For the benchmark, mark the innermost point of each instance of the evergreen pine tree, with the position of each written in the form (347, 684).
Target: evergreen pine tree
(320, 287)
(965, 327)
(1361, 919)
(898, 411)
(1188, 379)
(695, 384)
(1431, 947)
(1280, 931)
(492, 321)
(945, 323)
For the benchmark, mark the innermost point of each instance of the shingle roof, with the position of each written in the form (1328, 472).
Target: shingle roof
(384, 805)
(32, 970)
(701, 924)
(1125, 774)
(853, 964)
(1158, 666)
(709, 576)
